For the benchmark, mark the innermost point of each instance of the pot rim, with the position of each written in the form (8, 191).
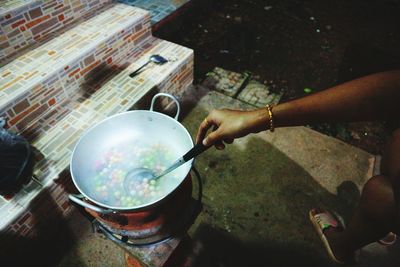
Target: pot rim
(140, 207)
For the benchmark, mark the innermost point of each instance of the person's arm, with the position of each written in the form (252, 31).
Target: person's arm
(372, 97)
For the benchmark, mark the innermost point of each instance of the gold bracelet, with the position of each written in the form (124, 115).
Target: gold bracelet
(271, 118)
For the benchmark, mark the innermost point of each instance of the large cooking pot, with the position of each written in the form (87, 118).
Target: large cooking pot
(108, 151)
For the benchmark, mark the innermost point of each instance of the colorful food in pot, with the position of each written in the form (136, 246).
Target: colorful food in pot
(111, 169)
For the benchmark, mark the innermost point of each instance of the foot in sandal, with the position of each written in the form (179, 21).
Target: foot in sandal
(388, 240)
(329, 230)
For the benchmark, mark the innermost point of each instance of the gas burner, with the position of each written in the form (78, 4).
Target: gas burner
(149, 236)
(171, 220)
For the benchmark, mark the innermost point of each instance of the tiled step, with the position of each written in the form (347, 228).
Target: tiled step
(23, 22)
(47, 78)
(117, 94)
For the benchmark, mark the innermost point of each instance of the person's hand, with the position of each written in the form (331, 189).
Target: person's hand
(228, 125)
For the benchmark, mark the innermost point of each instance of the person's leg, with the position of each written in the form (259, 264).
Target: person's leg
(390, 165)
(377, 213)
(372, 219)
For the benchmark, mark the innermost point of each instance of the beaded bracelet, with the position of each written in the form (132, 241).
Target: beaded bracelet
(271, 118)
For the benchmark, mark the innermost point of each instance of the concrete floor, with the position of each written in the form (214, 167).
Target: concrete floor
(257, 193)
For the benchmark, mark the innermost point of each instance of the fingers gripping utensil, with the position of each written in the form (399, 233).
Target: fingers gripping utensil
(157, 59)
(139, 174)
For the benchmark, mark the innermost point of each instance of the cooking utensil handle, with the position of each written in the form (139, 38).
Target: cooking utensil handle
(178, 106)
(78, 199)
(195, 151)
(133, 74)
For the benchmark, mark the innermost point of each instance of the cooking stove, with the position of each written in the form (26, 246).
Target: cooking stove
(156, 244)
(153, 235)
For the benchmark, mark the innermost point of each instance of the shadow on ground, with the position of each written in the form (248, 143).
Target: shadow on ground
(214, 247)
(256, 203)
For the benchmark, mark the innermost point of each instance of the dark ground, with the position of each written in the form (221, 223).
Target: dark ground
(292, 45)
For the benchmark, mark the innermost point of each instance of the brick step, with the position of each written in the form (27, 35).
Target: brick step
(24, 23)
(47, 78)
(116, 94)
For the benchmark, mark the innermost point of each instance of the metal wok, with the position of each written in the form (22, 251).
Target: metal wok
(110, 149)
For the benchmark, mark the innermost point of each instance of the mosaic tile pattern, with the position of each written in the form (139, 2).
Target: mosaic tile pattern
(7, 5)
(116, 95)
(23, 23)
(52, 201)
(259, 95)
(225, 81)
(159, 8)
(45, 79)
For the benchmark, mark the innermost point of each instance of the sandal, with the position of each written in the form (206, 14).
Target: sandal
(322, 221)
(388, 240)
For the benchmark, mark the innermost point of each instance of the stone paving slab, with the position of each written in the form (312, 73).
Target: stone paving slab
(241, 86)
(225, 81)
(257, 194)
(329, 161)
(258, 95)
